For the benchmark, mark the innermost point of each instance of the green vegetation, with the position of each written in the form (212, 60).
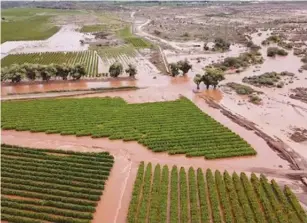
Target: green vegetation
(220, 45)
(182, 65)
(212, 77)
(230, 198)
(51, 185)
(273, 51)
(116, 69)
(88, 58)
(119, 52)
(135, 41)
(269, 79)
(154, 125)
(255, 99)
(93, 28)
(15, 73)
(240, 88)
(279, 40)
(29, 23)
(34, 28)
(244, 60)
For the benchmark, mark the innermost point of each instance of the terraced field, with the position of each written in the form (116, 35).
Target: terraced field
(51, 185)
(88, 58)
(197, 196)
(176, 127)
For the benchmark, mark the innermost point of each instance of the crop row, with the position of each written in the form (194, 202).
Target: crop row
(88, 58)
(191, 197)
(115, 119)
(39, 186)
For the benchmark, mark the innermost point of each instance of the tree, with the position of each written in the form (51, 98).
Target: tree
(29, 70)
(197, 80)
(212, 77)
(184, 66)
(131, 70)
(174, 69)
(46, 71)
(221, 44)
(13, 73)
(78, 71)
(63, 70)
(116, 69)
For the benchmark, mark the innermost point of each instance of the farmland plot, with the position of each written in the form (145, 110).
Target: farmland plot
(51, 185)
(197, 196)
(176, 127)
(88, 58)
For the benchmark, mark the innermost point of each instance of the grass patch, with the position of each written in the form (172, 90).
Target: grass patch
(35, 28)
(241, 88)
(154, 125)
(37, 186)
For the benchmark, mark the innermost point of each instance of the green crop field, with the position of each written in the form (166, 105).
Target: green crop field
(195, 196)
(88, 58)
(176, 127)
(115, 52)
(93, 28)
(135, 41)
(51, 185)
(30, 23)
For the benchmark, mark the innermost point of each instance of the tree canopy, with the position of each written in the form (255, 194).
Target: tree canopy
(212, 77)
(17, 72)
(116, 69)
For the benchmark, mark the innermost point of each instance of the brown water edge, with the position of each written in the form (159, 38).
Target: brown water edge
(136, 152)
(114, 204)
(57, 85)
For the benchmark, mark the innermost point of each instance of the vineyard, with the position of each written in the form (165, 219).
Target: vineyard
(135, 41)
(51, 185)
(195, 196)
(88, 58)
(172, 126)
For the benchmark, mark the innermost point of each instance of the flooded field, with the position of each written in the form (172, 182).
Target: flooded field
(279, 116)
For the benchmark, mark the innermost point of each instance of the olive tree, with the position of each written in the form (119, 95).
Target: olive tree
(197, 80)
(131, 70)
(184, 66)
(174, 69)
(116, 69)
(78, 71)
(212, 77)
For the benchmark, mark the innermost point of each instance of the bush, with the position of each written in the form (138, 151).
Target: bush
(273, 51)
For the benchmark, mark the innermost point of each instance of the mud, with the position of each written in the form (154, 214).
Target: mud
(299, 94)
(287, 153)
(299, 135)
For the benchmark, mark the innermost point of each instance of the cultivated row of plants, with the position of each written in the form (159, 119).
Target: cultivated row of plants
(195, 197)
(51, 185)
(113, 118)
(88, 58)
